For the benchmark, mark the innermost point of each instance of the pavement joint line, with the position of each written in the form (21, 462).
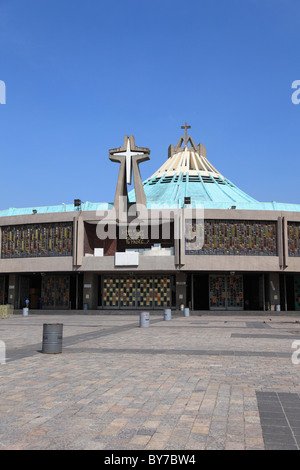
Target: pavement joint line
(266, 336)
(28, 351)
(187, 352)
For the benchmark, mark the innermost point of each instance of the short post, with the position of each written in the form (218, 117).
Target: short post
(2, 353)
(186, 312)
(52, 338)
(144, 319)
(25, 312)
(167, 314)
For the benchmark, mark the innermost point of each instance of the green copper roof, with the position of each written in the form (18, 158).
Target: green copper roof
(85, 206)
(214, 194)
(198, 188)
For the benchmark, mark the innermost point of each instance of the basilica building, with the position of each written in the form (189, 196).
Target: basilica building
(187, 236)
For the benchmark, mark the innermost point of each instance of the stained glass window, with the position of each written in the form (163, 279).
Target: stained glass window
(37, 240)
(55, 291)
(226, 292)
(231, 237)
(142, 291)
(294, 238)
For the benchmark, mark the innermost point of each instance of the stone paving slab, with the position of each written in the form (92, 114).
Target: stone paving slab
(192, 383)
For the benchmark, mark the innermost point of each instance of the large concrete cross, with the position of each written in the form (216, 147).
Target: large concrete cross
(129, 156)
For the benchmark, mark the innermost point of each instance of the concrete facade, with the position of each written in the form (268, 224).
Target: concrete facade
(178, 264)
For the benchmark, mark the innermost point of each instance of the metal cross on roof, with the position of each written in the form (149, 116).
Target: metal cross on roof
(186, 127)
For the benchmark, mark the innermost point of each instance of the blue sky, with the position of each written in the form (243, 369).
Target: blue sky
(80, 75)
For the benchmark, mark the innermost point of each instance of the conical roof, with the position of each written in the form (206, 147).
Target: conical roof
(186, 161)
(187, 175)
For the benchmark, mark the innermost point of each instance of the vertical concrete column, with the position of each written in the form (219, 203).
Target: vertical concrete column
(280, 242)
(78, 240)
(177, 251)
(179, 244)
(285, 237)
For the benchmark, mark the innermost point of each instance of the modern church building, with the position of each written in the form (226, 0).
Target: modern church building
(186, 236)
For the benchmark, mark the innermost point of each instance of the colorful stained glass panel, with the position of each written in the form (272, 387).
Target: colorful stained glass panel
(37, 240)
(225, 237)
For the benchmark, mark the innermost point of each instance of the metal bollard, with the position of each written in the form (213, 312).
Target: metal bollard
(144, 319)
(52, 338)
(167, 314)
(25, 312)
(186, 312)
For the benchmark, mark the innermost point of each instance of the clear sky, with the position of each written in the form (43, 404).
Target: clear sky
(80, 75)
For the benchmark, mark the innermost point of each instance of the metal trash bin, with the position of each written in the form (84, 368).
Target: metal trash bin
(144, 319)
(186, 312)
(52, 338)
(167, 314)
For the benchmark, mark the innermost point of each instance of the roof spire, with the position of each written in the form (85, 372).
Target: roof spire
(186, 127)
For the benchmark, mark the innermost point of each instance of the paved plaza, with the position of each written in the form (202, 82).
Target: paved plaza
(201, 382)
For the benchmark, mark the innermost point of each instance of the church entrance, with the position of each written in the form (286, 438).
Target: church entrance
(30, 288)
(226, 292)
(55, 291)
(3, 289)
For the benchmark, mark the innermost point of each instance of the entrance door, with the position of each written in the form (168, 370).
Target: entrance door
(235, 299)
(30, 288)
(110, 292)
(3, 296)
(162, 291)
(55, 291)
(24, 286)
(217, 292)
(127, 292)
(199, 292)
(144, 291)
(297, 292)
(136, 291)
(226, 292)
(254, 292)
